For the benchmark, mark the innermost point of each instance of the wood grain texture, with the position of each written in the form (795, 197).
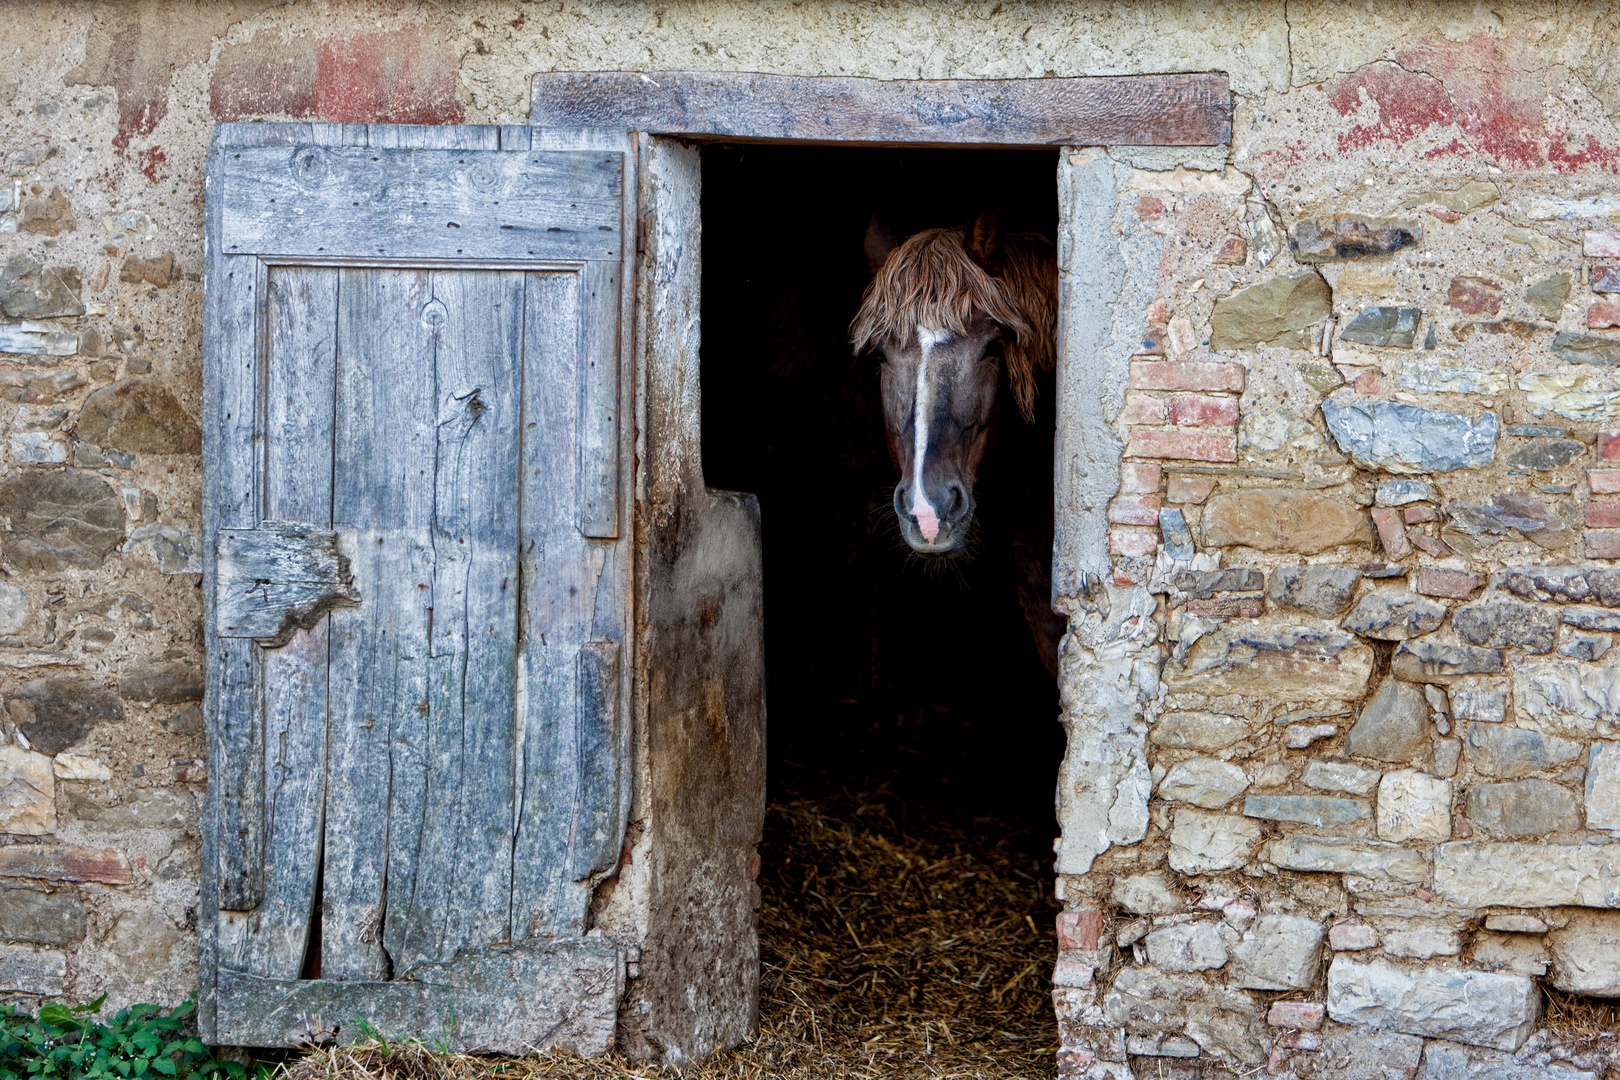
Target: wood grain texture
(599, 406)
(279, 578)
(510, 1000)
(1134, 110)
(383, 466)
(329, 202)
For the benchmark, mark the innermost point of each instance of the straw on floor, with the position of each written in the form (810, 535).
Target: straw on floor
(923, 951)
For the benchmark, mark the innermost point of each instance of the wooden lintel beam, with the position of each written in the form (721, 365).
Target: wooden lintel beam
(1111, 110)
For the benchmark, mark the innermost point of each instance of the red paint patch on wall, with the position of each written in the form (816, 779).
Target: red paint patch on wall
(1408, 104)
(1497, 88)
(150, 159)
(394, 77)
(400, 77)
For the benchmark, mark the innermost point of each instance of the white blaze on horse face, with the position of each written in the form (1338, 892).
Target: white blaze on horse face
(923, 409)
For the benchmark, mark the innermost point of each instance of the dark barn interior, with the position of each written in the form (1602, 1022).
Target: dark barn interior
(883, 671)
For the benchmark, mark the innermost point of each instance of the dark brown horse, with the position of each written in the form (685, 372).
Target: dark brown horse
(962, 319)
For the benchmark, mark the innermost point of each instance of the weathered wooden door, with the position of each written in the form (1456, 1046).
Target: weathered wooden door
(418, 598)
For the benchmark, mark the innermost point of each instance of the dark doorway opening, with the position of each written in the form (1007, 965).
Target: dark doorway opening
(883, 673)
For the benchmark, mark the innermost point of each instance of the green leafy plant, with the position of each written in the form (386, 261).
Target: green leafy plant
(67, 1042)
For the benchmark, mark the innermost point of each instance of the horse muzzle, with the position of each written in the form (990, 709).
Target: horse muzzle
(937, 523)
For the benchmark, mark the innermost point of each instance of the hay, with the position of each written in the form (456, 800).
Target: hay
(887, 952)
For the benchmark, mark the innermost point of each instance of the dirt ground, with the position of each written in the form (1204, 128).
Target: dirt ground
(893, 946)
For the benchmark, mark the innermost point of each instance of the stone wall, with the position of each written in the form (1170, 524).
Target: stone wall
(1341, 702)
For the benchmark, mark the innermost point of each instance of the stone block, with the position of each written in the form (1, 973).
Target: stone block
(1393, 726)
(172, 683)
(24, 970)
(1226, 1024)
(1182, 445)
(1523, 808)
(1204, 583)
(1319, 811)
(138, 416)
(1447, 753)
(1388, 326)
(1352, 937)
(54, 714)
(1452, 1061)
(1483, 874)
(1568, 698)
(1586, 954)
(1565, 584)
(1586, 349)
(77, 767)
(1234, 251)
(1395, 615)
(1073, 973)
(145, 942)
(1400, 438)
(1502, 514)
(1199, 731)
(157, 271)
(1350, 236)
(1522, 954)
(1545, 455)
(1323, 591)
(1579, 646)
(1484, 703)
(1281, 663)
(29, 290)
(1299, 736)
(1339, 776)
(1280, 311)
(1174, 375)
(27, 793)
(1189, 489)
(1603, 787)
(1474, 295)
(1298, 1015)
(1442, 663)
(1516, 924)
(1423, 942)
(1547, 296)
(60, 519)
(1145, 894)
(1404, 491)
(1279, 952)
(1429, 374)
(1201, 841)
(1231, 607)
(1391, 533)
(1511, 753)
(32, 915)
(1471, 196)
(1373, 859)
(1413, 806)
(1203, 782)
(1283, 519)
(1193, 946)
(1476, 1007)
(146, 808)
(65, 862)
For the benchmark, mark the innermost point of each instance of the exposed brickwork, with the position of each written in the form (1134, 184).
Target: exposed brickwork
(1186, 375)
(1183, 445)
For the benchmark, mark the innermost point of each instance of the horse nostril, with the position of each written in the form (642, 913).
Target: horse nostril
(958, 499)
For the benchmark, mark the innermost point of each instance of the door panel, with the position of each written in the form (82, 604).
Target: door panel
(441, 731)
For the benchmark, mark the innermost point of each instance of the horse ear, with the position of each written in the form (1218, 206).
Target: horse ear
(982, 240)
(879, 243)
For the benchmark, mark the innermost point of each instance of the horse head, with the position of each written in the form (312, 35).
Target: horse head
(956, 316)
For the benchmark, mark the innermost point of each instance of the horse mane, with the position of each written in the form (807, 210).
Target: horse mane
(931, 280)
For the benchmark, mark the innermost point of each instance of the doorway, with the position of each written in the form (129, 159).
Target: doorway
(906, 699)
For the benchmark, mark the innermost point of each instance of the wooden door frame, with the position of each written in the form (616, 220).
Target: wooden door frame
(698, 985)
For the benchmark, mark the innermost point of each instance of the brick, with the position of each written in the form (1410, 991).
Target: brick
(1369, 382)
(1190, 489)
(1603, 315)
(1416, 515)
(1603, 543)
(1137, 477)
(1601, 245)
(1475, 295)
(1158, 312)
(1606, 279)
(1233, 607)
(1604, 514)
(1608, 446)
(1182, 445)
(1428, 545)
(1604, 481)
(1453, 584)
(1079, 929)
(1299, 1015)
(1072, 974)
(1135, 510)
(1204, 410)
(1152, 342)
(1187, 375)
(1391, 532)
(1234, 251)
(1142, 409)
(64, 862)
(1131, 542)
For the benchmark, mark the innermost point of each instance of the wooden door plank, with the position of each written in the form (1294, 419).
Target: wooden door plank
(300, 326)
(1136, 110)
(599, 406)
(511, 1000)
(383, 499)
(463, 877)
(434, 136)
(438, 204)
(602, 752)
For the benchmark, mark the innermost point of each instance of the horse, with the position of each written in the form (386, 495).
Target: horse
(961, 319)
